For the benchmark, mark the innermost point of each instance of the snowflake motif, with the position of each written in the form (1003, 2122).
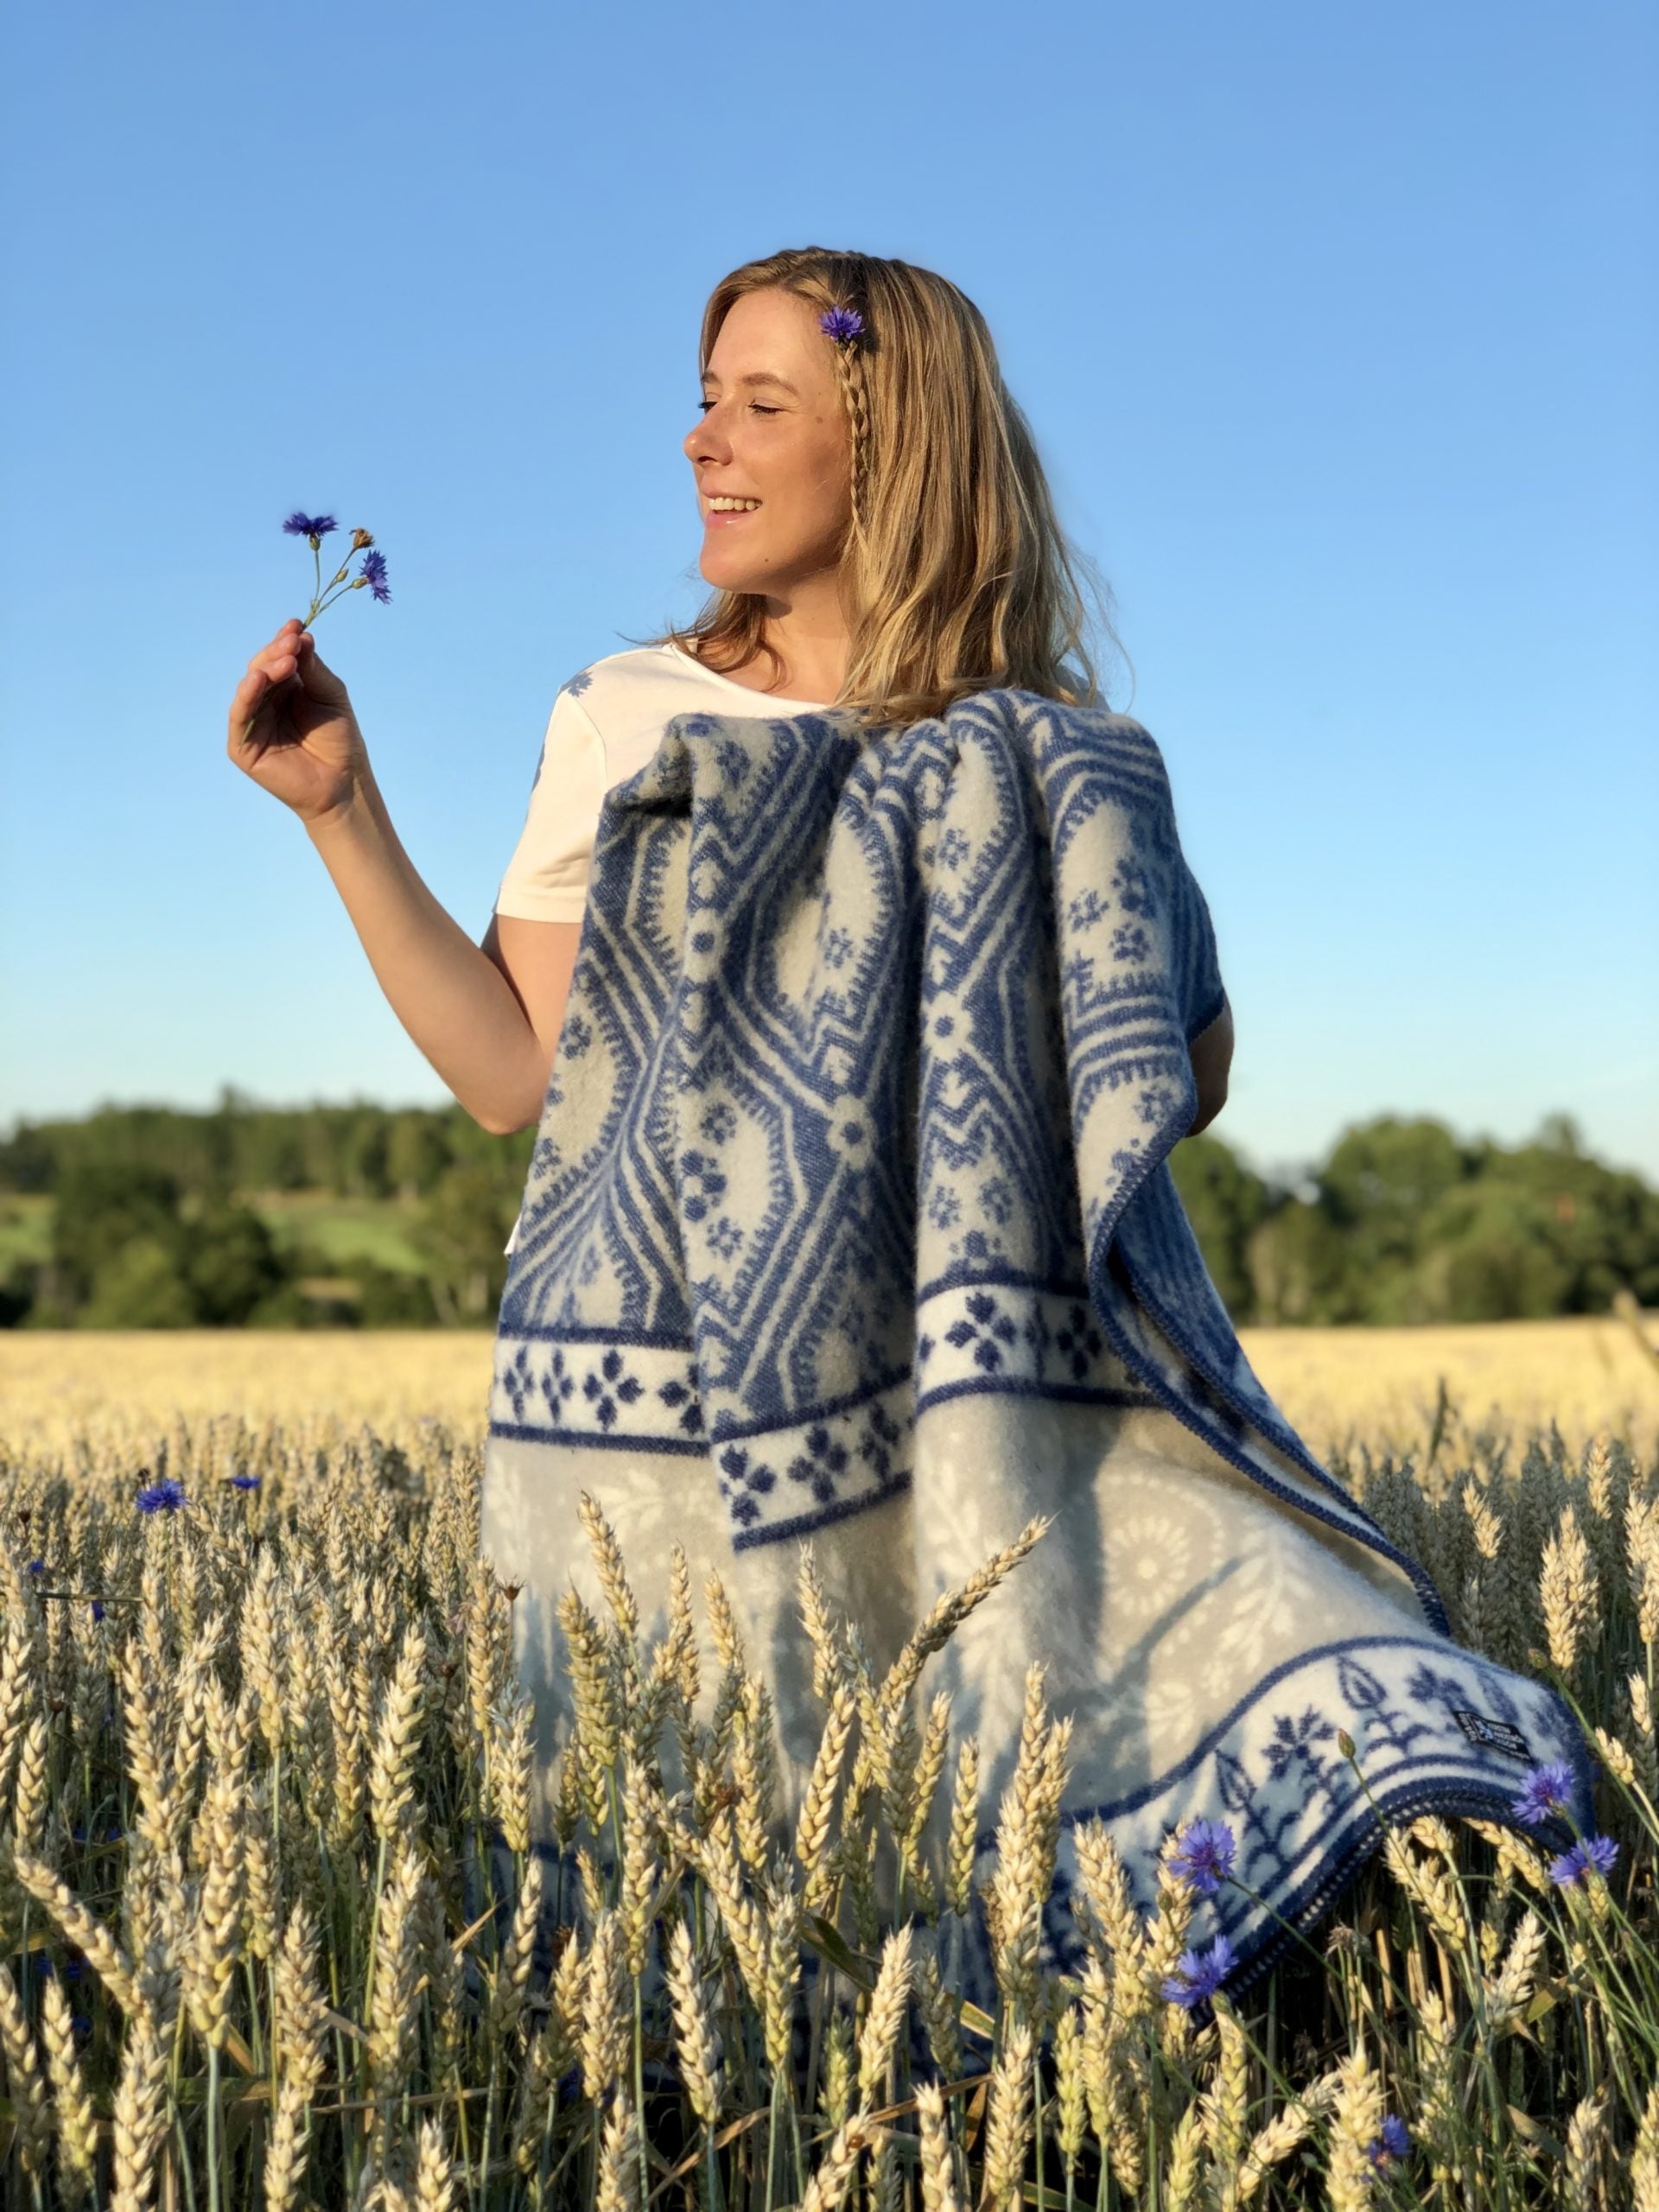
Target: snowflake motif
(986, 1327)
(1134, 888)
(1086, 909)
(953, 848)
(698, 1167)
(683, 1397)
(837, 947)
(944, 1207)
(558, 1383)
(1079, 1343)
(574, 1038)
(720, 1122)
(882, 1435)
(1292, 1741)
(824, 1460)
(577, 684)
(746, 1478)
(517, 1382)
(726, 1237)
(1130, 942)
(612, 1383)
(997, 1198)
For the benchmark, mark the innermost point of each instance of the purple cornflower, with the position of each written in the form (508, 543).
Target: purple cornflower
(1545, 1791)
(1597, 1850)
(841, 323)
(98, 1609)
(244, 1482)
(1195, 1977)
(37, 1567)
(311, 527)
(375, 574)
(1204, 1856)
(1392, 2143)
(164, 1496)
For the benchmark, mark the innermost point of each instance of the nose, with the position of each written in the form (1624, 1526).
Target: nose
(706, 440)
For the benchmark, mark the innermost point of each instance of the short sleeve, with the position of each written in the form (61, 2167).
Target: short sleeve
(547, 877)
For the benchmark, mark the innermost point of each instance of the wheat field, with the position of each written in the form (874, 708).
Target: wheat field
(273, 1933)
(1590, 1375)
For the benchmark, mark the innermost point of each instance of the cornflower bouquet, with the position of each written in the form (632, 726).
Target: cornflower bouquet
(372, 573)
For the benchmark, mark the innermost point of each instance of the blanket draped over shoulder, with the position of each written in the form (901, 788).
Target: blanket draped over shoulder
(849, 1219)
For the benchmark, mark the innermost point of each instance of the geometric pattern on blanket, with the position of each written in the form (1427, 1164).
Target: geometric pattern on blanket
(874, 1054)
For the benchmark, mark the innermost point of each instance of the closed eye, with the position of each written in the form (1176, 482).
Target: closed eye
(704, 405)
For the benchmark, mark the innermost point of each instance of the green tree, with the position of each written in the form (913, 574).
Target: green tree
(231, 1264)
(102, 1205)
(462, 1231)
(140, 1285)
(1225, 1202)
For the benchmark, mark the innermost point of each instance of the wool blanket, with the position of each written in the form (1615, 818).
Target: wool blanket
(850, 1220)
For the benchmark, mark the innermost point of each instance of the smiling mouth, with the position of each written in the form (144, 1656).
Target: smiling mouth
(728, 508)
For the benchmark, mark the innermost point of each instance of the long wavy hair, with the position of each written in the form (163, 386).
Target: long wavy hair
(956, 573)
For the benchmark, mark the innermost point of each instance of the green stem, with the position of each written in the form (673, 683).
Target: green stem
(212, 2125)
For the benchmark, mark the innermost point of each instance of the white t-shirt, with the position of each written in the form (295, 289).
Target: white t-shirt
(606, 722)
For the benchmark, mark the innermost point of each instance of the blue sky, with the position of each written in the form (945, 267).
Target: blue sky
(1335, 326)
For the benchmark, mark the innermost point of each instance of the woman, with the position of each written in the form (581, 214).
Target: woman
(849, 1217)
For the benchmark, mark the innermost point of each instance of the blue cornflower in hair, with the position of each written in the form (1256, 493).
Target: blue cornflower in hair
(311, 527)
(164, 1496)
(1195, 1977)
(1546, 1790)
(244, 1482)
(1392, 2143)
(98, 1609)
(841, 323)
(1597, 1850)
(375, 574)
(37, 1567)
(1204, 1856)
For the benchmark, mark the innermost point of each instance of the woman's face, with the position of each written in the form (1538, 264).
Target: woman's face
(772, 435)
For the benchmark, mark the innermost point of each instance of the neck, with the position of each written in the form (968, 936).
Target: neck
(807, 629)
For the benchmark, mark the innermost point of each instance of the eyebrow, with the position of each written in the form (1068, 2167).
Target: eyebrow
(760, 376)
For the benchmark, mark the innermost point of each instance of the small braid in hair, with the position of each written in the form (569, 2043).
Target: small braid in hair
(850, 369)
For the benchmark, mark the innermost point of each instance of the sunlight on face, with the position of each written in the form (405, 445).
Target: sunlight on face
(773, 432)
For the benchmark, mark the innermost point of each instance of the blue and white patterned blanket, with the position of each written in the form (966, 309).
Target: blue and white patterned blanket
(850, 1218)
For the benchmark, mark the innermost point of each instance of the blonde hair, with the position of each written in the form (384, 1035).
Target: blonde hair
(957, 573)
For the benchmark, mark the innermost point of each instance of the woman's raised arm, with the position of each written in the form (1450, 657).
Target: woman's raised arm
(490, 1035)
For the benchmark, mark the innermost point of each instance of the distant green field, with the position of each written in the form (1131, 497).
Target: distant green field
(25, 1228)
(344, 1228)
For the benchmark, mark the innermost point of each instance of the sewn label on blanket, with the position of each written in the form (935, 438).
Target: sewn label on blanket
(1498, 1734)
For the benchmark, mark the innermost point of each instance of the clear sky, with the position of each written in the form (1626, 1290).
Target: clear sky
(1336, 326)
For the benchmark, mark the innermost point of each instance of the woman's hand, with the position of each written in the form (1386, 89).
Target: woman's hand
(292, 727)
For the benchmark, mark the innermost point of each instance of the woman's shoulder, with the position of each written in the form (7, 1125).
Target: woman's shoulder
(629, 698)
(620, 676)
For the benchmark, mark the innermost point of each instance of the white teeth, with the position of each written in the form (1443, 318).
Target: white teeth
(725, 507)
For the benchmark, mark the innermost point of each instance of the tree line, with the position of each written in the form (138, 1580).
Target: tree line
(161, 1217)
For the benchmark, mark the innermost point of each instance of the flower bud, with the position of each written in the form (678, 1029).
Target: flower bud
(360, 539)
